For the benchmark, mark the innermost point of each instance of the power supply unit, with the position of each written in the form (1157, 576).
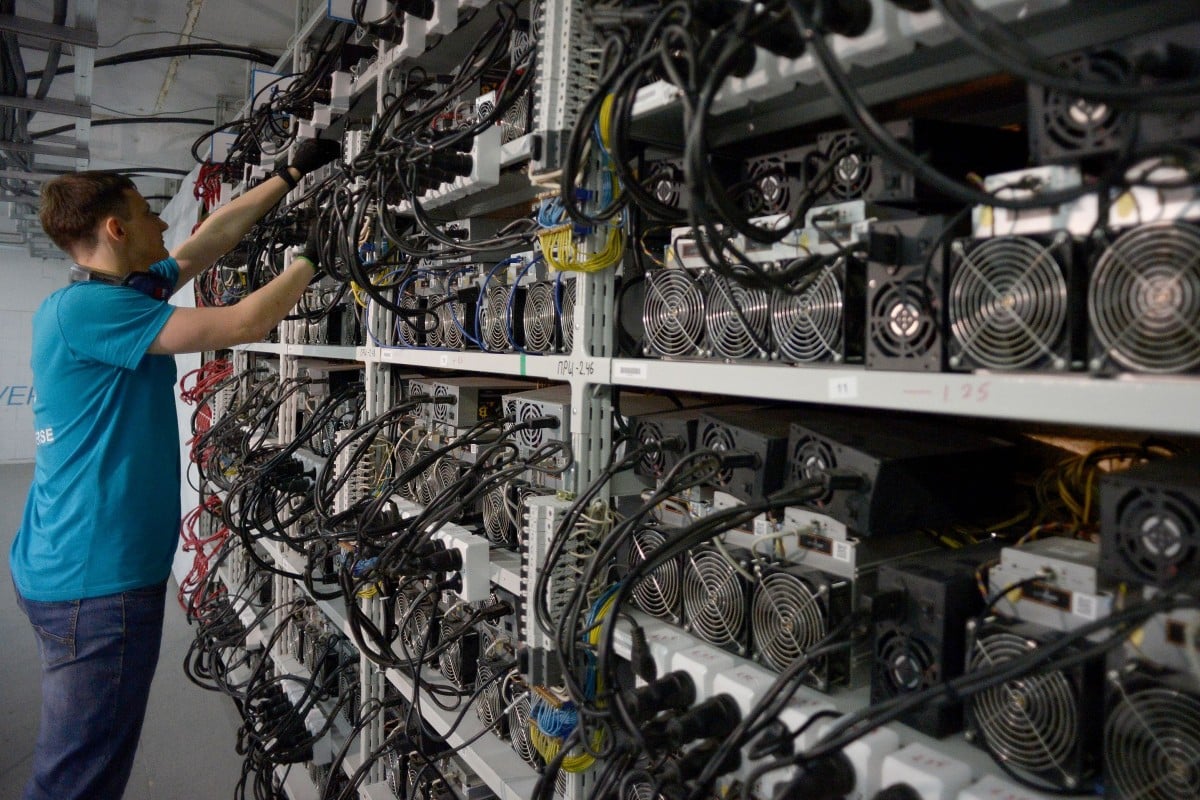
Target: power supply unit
(904, 301)
(1067, 128)
(534, 404)
(473, 399)
(920, 611)
(1150, 523)
(916, 474)
(759, 436)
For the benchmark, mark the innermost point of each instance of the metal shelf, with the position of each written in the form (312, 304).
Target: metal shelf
(561, 368)
(490, 757)
(1165, 404)
(333, 352)
(262, 347)
(332, 611)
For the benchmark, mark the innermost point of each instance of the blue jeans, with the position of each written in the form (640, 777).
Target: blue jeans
(98, 659)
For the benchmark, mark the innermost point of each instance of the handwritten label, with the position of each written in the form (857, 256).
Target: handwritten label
(582, 367)
(843, 388)
(367, 353)
(967, 392)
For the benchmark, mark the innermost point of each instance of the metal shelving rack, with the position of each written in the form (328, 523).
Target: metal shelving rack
(1131, 402)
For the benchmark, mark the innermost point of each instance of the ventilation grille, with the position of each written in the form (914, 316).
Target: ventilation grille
(1156, 534)
(906, 664)
(666, 184)
(902, 327)
(492, 319)
(1070, 127)
(811, 456)
(540, 318)
(789, 618)
(567, 313)
(1152, 741)
(810, 326)
(851, 173)
(658, 594)
(1008, 303)
(715, 599)
(654, 460)
(518, 727)
(719, 438)
(737, 319)
(1144, 299)
(406, 333)
(451, 320)
(490, 706)
(515, 122)
(1031, 723)
(768, 189)
(673, 314)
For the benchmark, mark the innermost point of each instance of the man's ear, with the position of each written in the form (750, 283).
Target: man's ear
(114, 228)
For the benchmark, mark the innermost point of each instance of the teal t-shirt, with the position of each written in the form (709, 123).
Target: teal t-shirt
(102, 514)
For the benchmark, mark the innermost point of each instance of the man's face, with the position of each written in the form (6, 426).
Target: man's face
(145, 231)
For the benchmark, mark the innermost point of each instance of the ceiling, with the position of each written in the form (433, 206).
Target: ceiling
(186, 86)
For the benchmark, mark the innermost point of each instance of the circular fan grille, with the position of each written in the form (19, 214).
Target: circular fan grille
(449, 332)
(518, 727)
(1031, 723)
(441, 411)
(1158, 533)
(495, 516)
(737, 319)
(808, 326)
(1144, 298)
(1084, 126)
(654, 461)
(406, 334)
(1008, 303)
(714, 599)
(516, 120)
(489, 706)
(1152, 744)
(719, 438)
(769, 191)
(666, 184)
(673, 314)
(425, 487)
(484, 109)
(531, 437)
(540, 317)
(810, 457)
(658, 593)
(904, 661)
(639, 790)
(393, 771)
(492, 319)
(788, 618)
(851, 174)
(405, 454)
(901, 322)
(448, 471)
(450, 659)
(566, 304)
(416, 629)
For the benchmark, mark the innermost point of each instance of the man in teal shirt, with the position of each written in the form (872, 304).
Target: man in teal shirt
(92, 556)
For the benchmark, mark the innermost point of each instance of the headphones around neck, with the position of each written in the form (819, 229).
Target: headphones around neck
(150, 284)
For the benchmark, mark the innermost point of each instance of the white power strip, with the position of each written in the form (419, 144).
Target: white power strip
(933, 775)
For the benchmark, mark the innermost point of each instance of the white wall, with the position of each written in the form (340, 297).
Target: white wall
(26, 282)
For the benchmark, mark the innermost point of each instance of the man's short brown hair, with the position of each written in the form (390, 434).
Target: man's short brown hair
(74, 204)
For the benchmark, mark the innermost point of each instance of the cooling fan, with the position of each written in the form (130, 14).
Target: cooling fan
(655, 462)
(794, 608)
(490, 706)
(715, 436)
(497, 525)
(769, 188)
(1144, 300)
(405, 455)
(818, 324)
(459, 662)
(1044, 725)
(518, 728)
(737, 318)
(493, 319)
(1150, 522)
(515, 122)
(904, 297)
(419, 624)
(1010, 303)
(673, 314)
(666, 184)
(811, 456)
(1151, 735)
(566, 308)
(408, 335)
(1066, 127)
(441, 410)
(541, 318)
(451, 321)
(716, 596)
(349, 693)
(851, 168)
(659, 593)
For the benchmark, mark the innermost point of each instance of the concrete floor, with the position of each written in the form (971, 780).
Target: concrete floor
(187, 748)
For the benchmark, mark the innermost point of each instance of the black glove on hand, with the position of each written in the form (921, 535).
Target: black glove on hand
(313, 246)
(313, 154)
